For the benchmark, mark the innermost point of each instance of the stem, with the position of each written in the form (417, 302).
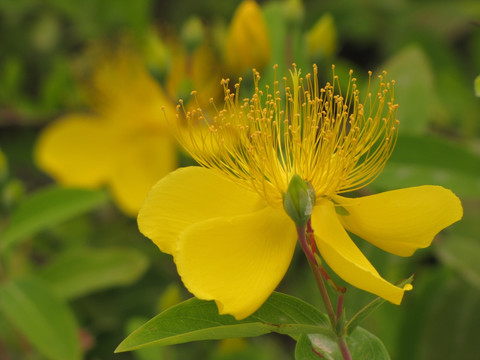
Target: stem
(318, 276)
(319, 273)
(342, 344)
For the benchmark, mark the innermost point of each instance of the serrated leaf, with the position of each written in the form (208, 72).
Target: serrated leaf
(429, 160)
(368, 310)
(46, 208)
(48, 324)
(77, 273)
(195, 320)
(414, 90)
(362, 346)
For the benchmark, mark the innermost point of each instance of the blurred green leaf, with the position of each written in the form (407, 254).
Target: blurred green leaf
(362, 345)
(277, 28)
(368, 309)
(77, 273)
(41, 317)
(414, 90)
(445, 321)
(195, 320)
(46, 208)
(462, 254)
(429, 160)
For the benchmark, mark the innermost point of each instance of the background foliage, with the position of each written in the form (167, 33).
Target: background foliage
(77, 276)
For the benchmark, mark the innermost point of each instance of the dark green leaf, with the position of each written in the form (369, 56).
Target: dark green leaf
(41, 317)
(195, 320)
(46, 208)
(80, 272)
(362, 345)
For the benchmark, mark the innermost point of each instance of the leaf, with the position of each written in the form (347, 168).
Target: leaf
(368, 309)
(46, 208)
(195, 320)
(77, 273)
(151, 353)
(414, 90)
(362, 345)
(430, 160)
(461, 254)
(42, 318)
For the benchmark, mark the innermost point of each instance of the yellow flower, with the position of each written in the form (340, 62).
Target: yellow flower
(247, 44)
(124, 144)
(225, 224)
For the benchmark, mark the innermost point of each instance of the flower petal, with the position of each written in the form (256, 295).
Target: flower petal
(344, 257)
(140, 161)
(401, 221)
(187, 196)
(75, 150)
(236, 261)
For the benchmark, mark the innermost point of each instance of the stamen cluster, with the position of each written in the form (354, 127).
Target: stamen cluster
(335, 142)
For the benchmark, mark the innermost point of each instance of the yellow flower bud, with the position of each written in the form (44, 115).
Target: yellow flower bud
(247, 45)
(322, 38)
(156, 54)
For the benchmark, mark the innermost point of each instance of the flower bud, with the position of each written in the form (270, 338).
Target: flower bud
(299, 200)
(322, 38)
(294, 12)
(247, 45)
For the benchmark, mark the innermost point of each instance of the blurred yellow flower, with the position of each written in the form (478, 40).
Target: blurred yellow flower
(225, 224)
(124, 143)
(247, 44)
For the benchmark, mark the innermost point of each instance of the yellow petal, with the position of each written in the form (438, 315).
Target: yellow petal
(187, 196)
(401, 221)
(139, 163)
(236, 261)
(344, 257)
(75, 150)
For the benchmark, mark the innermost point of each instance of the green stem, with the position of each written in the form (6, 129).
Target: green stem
(317, 272)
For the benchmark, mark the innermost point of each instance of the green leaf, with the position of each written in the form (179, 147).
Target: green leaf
(429, 160)
(368, 309)
(77, 273)
(46, 208)
(42, 318)
(195, 320)
(362, 345)
(151, 353)
(461, 254)
(414, 90)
